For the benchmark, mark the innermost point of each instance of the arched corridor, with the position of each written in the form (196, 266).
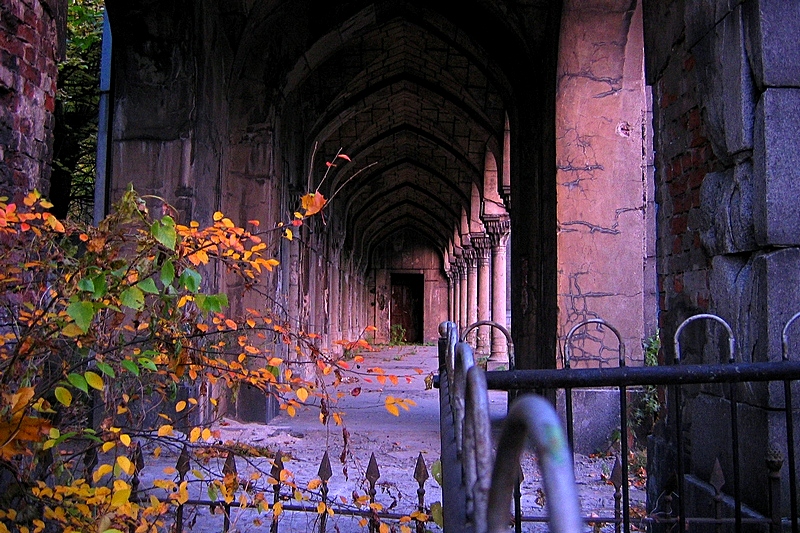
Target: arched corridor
(429, 130)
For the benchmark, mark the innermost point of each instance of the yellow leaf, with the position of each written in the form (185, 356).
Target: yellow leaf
(63, 396)
(384, 528)
(194, 434)
(180, 406)
(101, 471)
(125, 439)
(120, 497)
(302, 394)
(288, 234)
(206, 434)
(290, 410)
(391, 406)
(277, 509)
(165, 430)
(275, 361)
(218, 216)
(314, 484)
(108, 445)
(157, 452)
(321, 507)
(125, 464)
(93, 379)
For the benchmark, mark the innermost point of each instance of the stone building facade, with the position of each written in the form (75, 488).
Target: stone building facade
(632, 161)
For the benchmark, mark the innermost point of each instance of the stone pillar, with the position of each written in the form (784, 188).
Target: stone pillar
(482, 246)
(471, 257)
(450, 293)
(498, 230)
(455, 305)
(462, 297)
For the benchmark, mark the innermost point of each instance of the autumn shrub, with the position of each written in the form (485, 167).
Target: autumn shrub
(101, 327)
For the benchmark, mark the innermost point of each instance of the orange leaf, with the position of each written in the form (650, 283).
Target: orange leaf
(313, 203)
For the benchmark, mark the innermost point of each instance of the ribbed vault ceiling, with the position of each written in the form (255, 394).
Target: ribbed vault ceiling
(415, 103)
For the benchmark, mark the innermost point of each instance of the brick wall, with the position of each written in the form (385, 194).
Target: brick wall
(31, 42)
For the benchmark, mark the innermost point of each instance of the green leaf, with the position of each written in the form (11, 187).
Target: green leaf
(148, 364)
(78, 382)
(148, 286)
(130, 366)
(167, 273)
(106, 369)
(63, 396)
(437, 514)
(436, 471)
(132, 297)
(86, 284)
(100, 285)
(190, 280)
(211, 303)
(82, 313)
(164, 232)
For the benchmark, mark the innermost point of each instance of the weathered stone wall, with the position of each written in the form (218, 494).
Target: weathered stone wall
(726, 93)
(31, 43)
(602, 181)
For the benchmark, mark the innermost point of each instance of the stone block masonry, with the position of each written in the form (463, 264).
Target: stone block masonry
(31, 43)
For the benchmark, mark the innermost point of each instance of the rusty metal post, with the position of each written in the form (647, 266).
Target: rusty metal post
(183, 468)
(277, 468)
(616, 480)
(324, 474)
(420, 476)
(774, 460)
(373, 475)
(717, 481)
(228, 469)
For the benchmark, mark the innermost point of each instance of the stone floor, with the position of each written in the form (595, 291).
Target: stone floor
(396, 441)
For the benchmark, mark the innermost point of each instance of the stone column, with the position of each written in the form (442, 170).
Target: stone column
(449, 275)
(455, 304)
(462, 297)
(482, 246)
(498, 230)
(471, 257)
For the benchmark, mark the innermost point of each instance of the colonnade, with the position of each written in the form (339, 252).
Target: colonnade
(477, 282)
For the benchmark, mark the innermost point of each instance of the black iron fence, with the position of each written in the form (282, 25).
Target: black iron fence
(675, 494)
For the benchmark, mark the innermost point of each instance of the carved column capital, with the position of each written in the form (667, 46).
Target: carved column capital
(482, 244)
(498, 229)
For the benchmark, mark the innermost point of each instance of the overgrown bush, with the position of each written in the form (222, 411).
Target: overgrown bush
(99, 328)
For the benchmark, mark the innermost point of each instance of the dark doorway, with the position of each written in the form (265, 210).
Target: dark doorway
(406, 311)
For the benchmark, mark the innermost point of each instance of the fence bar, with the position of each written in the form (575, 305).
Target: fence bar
(531, 416)
(373, 475)
(182, 468)
(453, 494)
(479, 455)
(642, 375)
(275, 472)
(787, 393)
(324, 473)
(420, 476)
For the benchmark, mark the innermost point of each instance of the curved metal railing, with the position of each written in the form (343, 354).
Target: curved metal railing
(530, 419)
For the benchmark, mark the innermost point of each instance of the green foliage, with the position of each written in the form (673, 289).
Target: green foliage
(397, 335)
(644, 412)
(77, 103)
